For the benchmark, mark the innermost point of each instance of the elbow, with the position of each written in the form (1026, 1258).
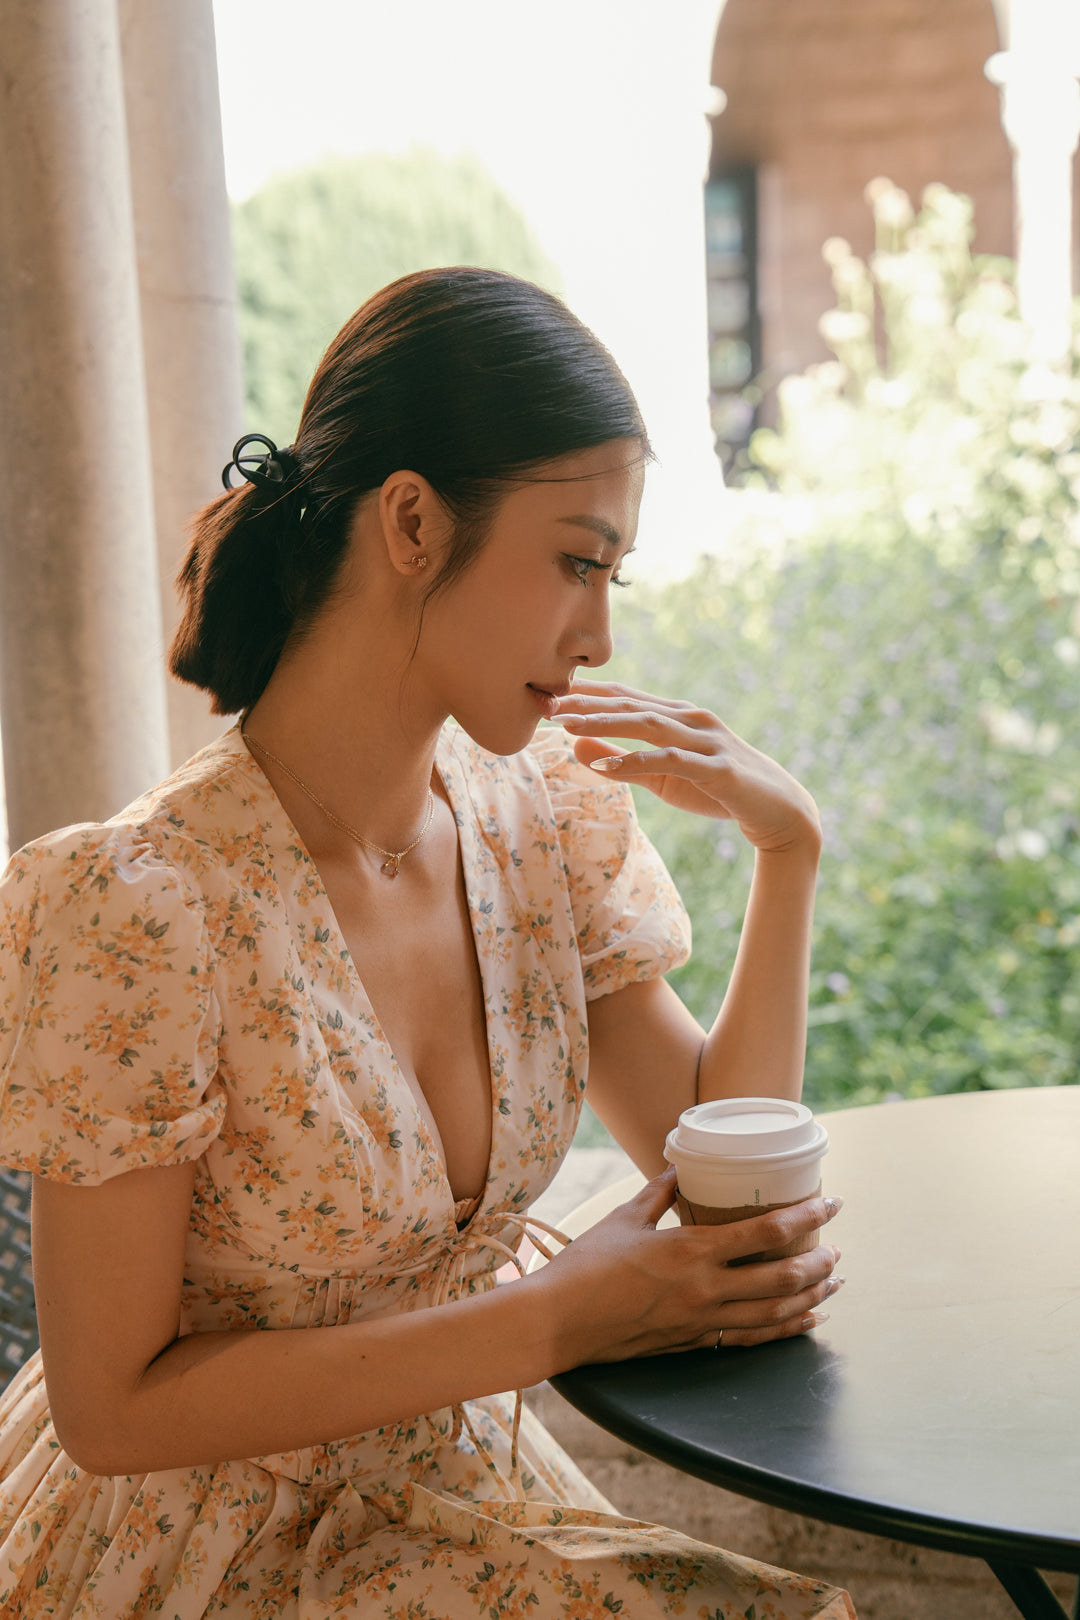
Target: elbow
(94, 1440)
(92, 1452)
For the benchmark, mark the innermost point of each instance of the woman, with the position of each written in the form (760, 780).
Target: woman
(294, 1041)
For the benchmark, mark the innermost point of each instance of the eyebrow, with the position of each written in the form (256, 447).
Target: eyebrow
(607, 531)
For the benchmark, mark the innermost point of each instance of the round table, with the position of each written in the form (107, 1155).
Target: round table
(941, 1402)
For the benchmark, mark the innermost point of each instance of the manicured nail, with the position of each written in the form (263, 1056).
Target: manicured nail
(814, 1320)
(833, 1206)
(612, 763)
(835, 1284)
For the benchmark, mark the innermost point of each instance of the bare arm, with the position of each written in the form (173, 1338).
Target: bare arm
(649, 1058)
(757, 1046)
(129, 1396)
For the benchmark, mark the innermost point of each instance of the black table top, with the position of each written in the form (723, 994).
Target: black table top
(941, 1402)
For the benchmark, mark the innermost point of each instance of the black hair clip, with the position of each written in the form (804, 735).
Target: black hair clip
(269, 472)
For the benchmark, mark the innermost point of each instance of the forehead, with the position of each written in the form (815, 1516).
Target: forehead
(604, 483)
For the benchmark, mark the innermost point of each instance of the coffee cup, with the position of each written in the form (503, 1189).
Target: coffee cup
(743, 1156)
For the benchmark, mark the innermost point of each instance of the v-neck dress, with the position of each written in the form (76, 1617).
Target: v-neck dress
(173, 988)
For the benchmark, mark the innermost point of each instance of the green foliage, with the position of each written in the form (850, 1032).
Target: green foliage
(900, 628)
(312, 245)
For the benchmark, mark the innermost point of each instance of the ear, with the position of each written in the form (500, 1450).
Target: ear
(414, 523)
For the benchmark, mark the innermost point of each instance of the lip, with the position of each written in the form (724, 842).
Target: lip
(548, 696)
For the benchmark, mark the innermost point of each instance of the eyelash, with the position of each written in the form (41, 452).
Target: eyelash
(584, 566)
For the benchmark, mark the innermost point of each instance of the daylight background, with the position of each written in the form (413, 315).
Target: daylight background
(884, 596)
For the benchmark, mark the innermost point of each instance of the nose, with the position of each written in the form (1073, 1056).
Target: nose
(590, 638)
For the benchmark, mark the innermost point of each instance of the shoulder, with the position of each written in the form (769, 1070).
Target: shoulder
(629, 922)
(152, 862)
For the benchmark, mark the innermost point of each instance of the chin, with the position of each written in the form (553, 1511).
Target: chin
(501, 735)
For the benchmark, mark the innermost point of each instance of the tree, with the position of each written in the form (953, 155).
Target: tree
(897, 622)
(312, 245)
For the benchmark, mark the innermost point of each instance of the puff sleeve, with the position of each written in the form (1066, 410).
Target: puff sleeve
(108, 1018)
(629, 921)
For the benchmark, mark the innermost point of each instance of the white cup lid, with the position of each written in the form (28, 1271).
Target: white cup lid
(743, 1127)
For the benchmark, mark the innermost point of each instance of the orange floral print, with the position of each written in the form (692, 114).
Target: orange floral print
(173, 988)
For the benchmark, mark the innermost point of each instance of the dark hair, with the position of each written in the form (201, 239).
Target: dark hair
(467, 376)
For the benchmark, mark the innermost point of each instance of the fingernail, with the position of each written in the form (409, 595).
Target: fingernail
(833, 1206)
(814, 1320)
(612, 763)
(835, 1283)
(835, 1253)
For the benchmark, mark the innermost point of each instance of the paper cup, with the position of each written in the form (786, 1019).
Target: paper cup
(743, 1156)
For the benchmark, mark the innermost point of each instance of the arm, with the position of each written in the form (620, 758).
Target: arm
(129, 1396)
(756, 1045)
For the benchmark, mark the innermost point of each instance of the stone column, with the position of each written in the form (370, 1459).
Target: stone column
(1040, 112)
(187, 290)
(81, 684)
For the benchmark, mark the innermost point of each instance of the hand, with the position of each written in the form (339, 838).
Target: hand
(626, 1289)
(696, 763)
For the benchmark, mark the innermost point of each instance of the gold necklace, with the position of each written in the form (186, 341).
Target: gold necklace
(394, 858)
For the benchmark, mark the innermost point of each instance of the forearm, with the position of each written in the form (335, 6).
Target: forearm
(757, 1046)
(215, 1396)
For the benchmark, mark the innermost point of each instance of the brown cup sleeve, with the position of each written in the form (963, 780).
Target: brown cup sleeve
(706, 1215)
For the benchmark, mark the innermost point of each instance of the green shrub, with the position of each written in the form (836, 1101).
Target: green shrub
(312, 245)
(897, 622)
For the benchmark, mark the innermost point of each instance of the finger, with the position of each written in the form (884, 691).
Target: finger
(759, 1314)
(618, 690)
(655, 1198)
(776, 1229)
(655, 762)
(743, 1338)
(581, 710)
(644, 725)
(577, 704)
(780, 1279)
(586, 749)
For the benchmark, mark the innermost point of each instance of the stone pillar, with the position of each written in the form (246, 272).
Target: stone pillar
(1040, 112)
(81, 684)
(187, 290)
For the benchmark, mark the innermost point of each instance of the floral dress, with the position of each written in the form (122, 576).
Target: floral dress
(174, 987)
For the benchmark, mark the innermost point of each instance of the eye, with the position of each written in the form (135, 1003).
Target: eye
(582, 567)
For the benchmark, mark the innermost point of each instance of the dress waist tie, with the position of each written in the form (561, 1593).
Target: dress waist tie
(449, 1277)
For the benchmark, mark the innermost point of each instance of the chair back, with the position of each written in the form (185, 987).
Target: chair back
(18, 1319)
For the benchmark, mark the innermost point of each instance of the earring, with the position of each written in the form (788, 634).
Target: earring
(417, 562)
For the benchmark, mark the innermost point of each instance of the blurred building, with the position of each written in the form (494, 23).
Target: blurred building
(119, 364)
(821, 97)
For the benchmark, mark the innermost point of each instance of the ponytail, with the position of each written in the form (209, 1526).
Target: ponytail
(468, 376)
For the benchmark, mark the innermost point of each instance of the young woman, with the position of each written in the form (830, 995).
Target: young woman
(292, 1043)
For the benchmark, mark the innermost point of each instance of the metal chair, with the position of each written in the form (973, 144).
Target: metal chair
(18, 1320)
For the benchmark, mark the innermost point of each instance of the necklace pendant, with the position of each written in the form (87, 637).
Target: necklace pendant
(390, 867)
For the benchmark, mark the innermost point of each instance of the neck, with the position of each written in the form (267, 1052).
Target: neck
(355, 738)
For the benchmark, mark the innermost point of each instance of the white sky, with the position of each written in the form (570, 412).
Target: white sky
(589, 114)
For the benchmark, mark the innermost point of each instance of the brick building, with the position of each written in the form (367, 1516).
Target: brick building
(822, 96)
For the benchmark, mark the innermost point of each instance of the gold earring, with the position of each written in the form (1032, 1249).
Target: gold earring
(417, 562)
